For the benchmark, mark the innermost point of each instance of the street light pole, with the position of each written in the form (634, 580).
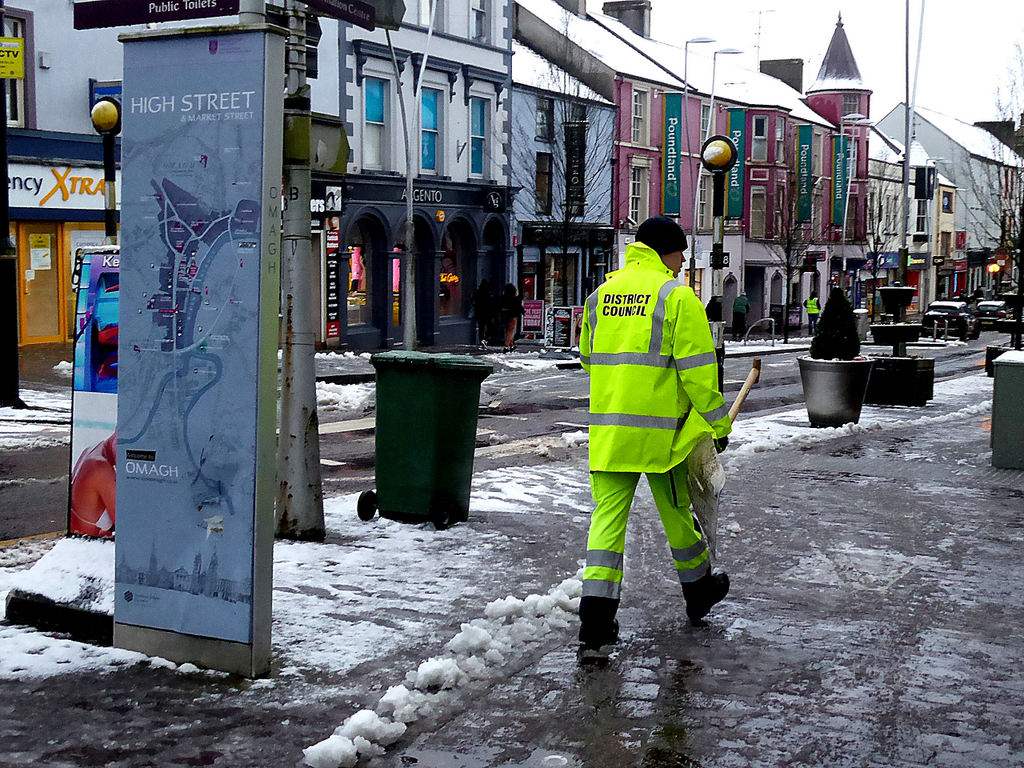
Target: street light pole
(707, 134)
(9, 374)
(106, 120)
(300, 500)
(851, 153)
(694, 169)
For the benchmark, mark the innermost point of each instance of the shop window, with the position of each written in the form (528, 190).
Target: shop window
(15, 27)
(757, 211)
(544, 182)
(430, 122)
(374, 123)
(477, 136)
(639, 116)
(450, 279)
(759, 145)
(545, 118)
(361, 285)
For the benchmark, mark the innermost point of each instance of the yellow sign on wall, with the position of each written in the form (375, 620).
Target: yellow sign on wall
(12, 58)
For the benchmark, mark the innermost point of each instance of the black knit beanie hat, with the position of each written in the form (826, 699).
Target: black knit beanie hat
(662, 234)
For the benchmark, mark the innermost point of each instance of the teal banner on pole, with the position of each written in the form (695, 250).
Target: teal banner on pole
(670, 202)
(840, 167)
(805, 172)
(737, 129)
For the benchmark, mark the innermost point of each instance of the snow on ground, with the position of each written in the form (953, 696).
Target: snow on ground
(40, 425)
(65, 368)
(522, 361)
(76, 571)
(345, 397)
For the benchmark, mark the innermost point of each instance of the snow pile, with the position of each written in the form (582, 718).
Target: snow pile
(64, 368)
(480, 651)
(344, 397)
(523, 361)
(576, 439)
(78, 572)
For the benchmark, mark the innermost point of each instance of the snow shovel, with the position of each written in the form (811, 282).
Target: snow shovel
(707, 478)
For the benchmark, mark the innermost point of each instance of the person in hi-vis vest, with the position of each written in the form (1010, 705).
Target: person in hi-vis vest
(647, 346)
(813, 307)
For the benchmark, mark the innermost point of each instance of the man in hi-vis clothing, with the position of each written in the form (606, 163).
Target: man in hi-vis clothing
(647, 346)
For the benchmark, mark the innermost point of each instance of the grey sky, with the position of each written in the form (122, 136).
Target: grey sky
(968, 45)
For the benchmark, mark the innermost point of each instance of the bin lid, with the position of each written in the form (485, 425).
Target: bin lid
(407, 359)
(1015, 357)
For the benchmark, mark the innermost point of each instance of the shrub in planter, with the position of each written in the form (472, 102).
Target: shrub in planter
(834, 377)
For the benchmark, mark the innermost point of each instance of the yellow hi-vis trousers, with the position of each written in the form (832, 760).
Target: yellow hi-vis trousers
(613, 495)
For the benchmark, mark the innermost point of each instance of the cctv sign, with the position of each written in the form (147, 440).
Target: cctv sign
(12, 58)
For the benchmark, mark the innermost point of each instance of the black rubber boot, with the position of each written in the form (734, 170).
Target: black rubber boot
(703, 594)
(598, 626)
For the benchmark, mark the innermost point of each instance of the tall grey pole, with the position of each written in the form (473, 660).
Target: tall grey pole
(300, 501)
(904, 253)
(252, 11)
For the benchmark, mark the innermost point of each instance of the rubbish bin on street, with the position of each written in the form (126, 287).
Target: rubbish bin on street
(425, 436)
(1008, 411)
(863, 323)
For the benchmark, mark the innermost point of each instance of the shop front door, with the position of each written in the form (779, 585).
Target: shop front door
(40, 284)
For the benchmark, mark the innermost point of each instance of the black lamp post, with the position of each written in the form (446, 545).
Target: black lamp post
(106, 119)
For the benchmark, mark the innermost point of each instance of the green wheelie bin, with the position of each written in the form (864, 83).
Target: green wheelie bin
(425, 436)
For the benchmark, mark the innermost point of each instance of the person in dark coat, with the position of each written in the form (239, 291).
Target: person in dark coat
(740, 307)
(484, 310)
(511, 306)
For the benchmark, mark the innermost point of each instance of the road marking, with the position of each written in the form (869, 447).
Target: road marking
(570, 424)
(332, 463)
(352, 425)
(35, 537)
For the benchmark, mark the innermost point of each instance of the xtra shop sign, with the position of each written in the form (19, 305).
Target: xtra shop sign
(56, 187)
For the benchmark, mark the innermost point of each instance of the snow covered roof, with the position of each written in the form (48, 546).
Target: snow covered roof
(975, 140)
(531, 69)
(887, 149)
(733, 83)
(839, 71)
(599, 42)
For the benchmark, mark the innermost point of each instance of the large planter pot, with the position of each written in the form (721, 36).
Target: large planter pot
(834, 389)
(901, 381)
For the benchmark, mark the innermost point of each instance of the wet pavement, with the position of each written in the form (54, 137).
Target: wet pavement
(874, 620)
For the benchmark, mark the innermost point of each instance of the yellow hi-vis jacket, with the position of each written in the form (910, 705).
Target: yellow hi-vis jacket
(647, 346)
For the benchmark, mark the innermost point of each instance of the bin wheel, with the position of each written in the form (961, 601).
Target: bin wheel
(444, 512)
(366, 506)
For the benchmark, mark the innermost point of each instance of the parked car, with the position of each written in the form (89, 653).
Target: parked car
(990, 311)
(960, 320)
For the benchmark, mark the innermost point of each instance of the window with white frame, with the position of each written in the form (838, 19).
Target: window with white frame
(375, 113)
(921, 219)
(15, 27)
(816, 214)
(639, 187)
(780, 209)
(477, 136)
(851, 103)
(430, 130)
(545, 118)
(704, 202)
(780, 139)
(639, 116)
(819, 139)
(759, 145)
(438, 11)
(705, 120)
(758, 201)
(478, 23)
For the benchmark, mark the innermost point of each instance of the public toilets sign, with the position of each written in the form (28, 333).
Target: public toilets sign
(117, 13)
(198, 342)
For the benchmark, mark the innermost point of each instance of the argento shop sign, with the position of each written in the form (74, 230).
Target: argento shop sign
(489, 199)
(56, 187)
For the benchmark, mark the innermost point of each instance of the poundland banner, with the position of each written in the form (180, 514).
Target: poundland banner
(670, 194)
(198, 343)
(805, 172)
(840, 170)
(737, 127)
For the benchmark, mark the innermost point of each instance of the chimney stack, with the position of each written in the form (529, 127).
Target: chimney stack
(789, 71)
(575, 7)
(635, 14)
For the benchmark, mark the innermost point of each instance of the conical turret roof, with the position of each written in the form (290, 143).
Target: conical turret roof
(839, 71)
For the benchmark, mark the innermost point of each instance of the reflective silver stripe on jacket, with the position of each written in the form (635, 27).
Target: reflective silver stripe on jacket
(712, 416)
(590, 307)
(601, 588)
(634, 420)
(686, 576)
(604, 558)
(696, 361)
(685, 555)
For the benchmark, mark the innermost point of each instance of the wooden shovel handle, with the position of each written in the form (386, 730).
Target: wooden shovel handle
(752, 378)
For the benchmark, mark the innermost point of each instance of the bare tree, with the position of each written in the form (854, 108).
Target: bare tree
(881, 232)
(792, 240)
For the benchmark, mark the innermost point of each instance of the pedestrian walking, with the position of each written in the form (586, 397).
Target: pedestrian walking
(813, 307)
(740, 307)
(647, 347)
(511, 310)
(484, 307)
